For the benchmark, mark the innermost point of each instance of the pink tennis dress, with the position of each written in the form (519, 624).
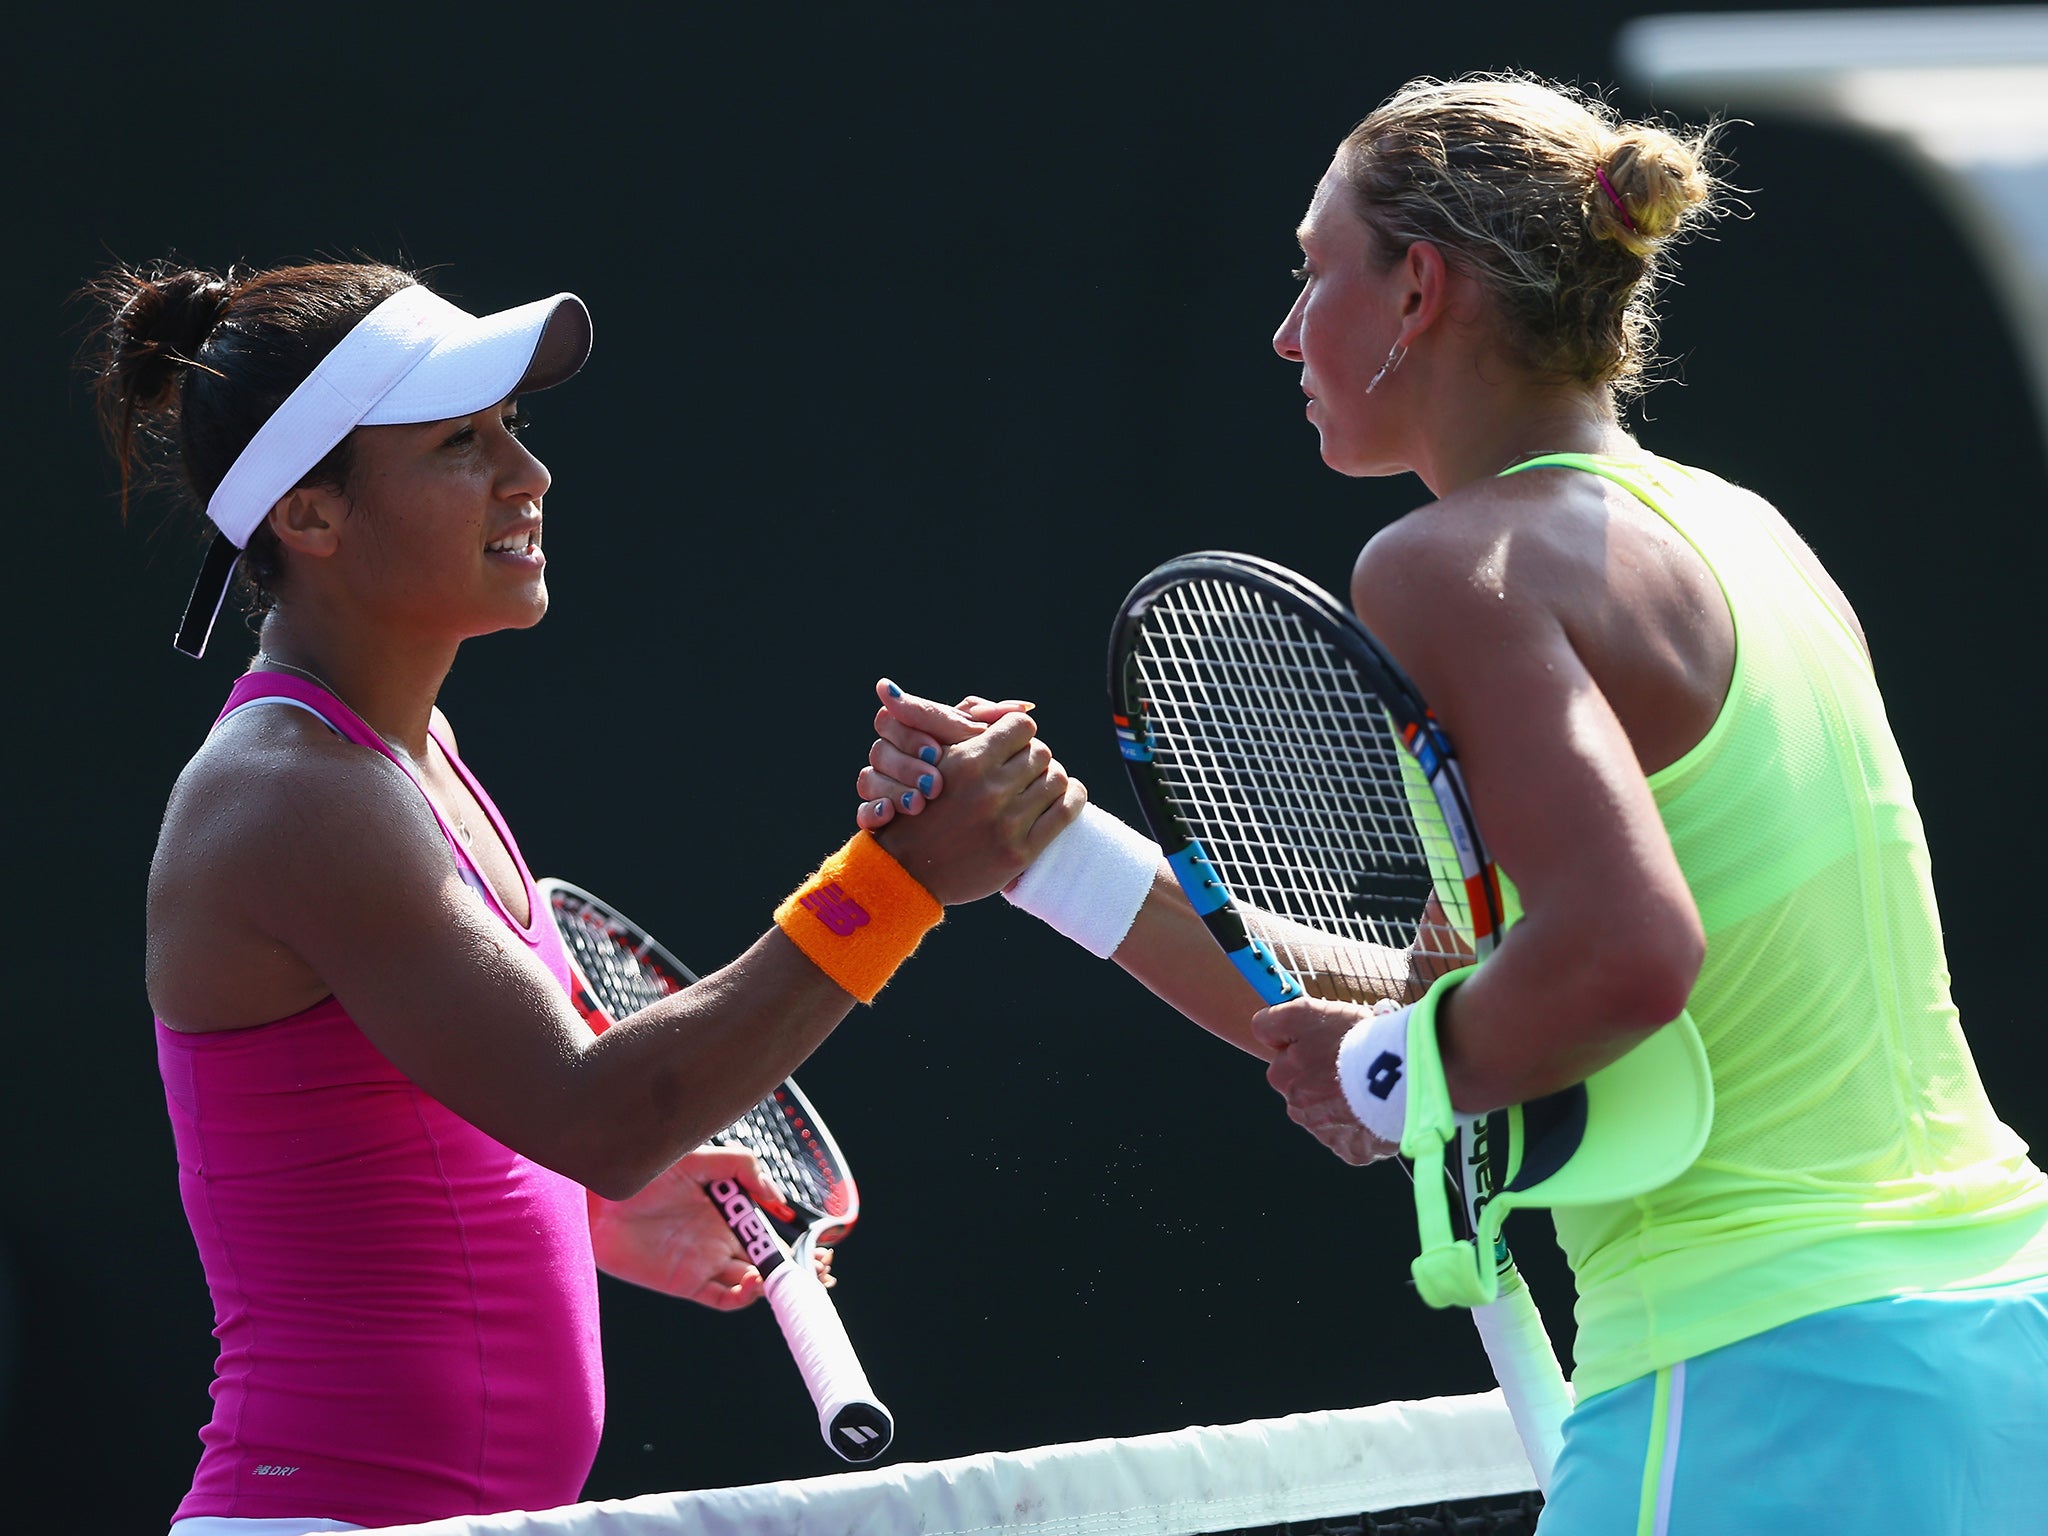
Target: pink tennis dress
(406, 1309)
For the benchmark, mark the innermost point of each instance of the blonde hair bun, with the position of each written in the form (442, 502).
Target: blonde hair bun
(1562, 211)
(1658, 179)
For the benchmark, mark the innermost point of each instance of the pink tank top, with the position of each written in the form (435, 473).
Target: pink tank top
(406, 1309)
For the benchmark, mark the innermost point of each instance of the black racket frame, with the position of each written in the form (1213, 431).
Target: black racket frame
(1334, 624)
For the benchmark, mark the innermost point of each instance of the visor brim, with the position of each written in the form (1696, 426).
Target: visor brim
(1632, 1127)
(516, 351)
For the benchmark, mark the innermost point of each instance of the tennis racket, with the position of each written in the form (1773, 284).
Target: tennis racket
(1314, 813)
(618, 970)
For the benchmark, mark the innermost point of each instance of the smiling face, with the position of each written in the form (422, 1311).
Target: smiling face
(1340, 330)
(443, 534)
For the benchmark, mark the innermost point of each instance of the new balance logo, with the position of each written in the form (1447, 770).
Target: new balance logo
(1383, 1074)
(836, 910)
(859, 1434)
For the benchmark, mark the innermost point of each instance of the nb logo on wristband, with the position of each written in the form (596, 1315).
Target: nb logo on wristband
(835, 909)
(1382, 1076)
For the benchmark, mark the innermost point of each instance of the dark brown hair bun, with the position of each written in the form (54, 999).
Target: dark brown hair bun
(160, 321)
(186, 365)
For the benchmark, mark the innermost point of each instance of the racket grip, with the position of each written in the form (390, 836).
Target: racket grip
(1526, 1367)
(850, 1417)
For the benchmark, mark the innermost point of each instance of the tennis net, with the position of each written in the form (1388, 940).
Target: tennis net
(1427, 1468)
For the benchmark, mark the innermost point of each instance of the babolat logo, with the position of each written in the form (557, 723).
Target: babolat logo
(745, 1219)
(1479, 1190)
(836, 910)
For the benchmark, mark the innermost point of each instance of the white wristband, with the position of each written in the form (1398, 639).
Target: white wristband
(1090, 881)
(1372, 1069)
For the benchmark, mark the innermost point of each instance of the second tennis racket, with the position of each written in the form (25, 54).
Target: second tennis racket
(1314, 813)
(620, 969)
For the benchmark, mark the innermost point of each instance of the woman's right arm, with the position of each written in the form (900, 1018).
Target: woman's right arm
(1167, 949)
(333, 856)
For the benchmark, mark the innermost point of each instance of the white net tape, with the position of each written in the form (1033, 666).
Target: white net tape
(1304, 1467)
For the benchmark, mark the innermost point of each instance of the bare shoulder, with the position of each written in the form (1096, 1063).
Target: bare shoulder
(1476, 557)
(275, 827)
(273, 779)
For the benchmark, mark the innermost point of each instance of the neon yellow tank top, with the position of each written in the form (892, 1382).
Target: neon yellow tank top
(1853, 1152)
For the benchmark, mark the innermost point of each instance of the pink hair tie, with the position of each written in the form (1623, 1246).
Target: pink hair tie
(1614, 197)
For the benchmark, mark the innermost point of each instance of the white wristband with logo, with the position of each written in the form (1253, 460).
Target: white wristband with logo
(1372, 1069)
(1090, 881)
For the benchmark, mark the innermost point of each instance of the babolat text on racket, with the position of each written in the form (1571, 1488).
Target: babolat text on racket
(620, 969)
(1314, 813)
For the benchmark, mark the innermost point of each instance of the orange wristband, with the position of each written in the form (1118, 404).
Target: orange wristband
(859, 917)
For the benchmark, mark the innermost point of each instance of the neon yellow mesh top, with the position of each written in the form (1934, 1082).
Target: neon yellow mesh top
(1853, 1152)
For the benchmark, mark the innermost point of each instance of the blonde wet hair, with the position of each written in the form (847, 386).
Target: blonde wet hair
(1561, 210)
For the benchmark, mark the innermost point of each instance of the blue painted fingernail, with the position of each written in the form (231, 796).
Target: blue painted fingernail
(881, 807)
(924, 782)
(907, 798)
(928, 755)
(895, 692)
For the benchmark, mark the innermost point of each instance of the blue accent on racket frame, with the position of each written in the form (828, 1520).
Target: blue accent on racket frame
(1135, 749)
(1264, 973)
(1197, 876)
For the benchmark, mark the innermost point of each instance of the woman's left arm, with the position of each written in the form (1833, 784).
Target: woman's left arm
(1610, 941)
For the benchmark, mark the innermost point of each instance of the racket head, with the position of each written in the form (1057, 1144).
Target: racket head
(617, 968)
(1284, 762)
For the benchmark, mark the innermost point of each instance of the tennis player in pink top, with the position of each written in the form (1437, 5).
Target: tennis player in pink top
(402, 1153)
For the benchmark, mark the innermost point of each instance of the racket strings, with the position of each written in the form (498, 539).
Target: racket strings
(799, 1164)
(1306, 815)
(625, 977)
(1282, 759)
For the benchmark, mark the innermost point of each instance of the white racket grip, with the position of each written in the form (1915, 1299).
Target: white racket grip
(850, 1417)
(1526, 1367)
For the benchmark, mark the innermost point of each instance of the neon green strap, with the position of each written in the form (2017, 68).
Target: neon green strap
(1448, 1272)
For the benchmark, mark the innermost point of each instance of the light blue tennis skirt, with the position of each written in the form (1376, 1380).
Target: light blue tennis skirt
(1924, 1413)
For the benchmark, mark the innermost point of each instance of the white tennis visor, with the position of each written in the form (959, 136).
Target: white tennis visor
(415, 357)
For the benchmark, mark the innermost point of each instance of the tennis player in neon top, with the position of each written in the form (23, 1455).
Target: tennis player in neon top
(386, 1109)
(1674, 740)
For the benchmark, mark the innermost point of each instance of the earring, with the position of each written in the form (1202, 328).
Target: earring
(1394, 358)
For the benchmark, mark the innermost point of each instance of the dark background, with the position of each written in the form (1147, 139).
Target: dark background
(922, 331)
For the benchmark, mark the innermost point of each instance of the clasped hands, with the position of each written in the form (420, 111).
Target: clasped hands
(905, 773)
(1009, 796)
